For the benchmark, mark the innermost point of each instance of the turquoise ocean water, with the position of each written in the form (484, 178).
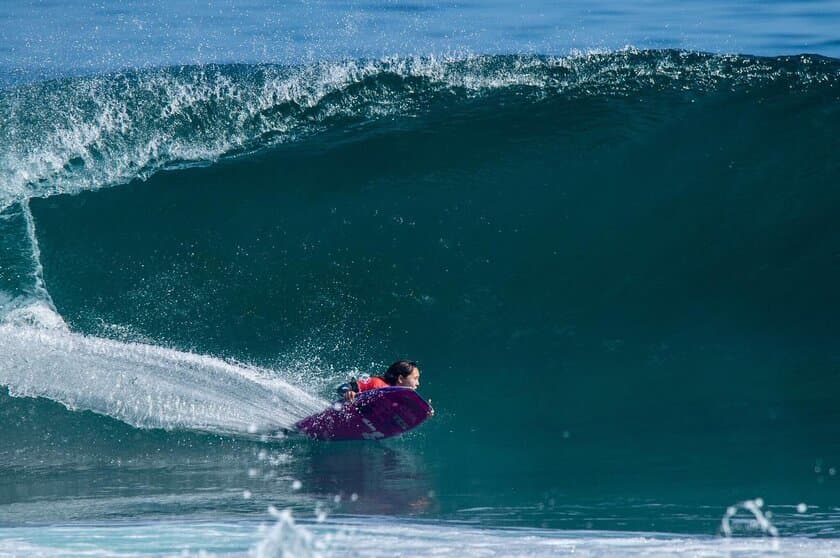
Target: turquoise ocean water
(608, 233)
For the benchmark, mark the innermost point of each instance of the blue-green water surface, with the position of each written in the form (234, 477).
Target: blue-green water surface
(617, 269)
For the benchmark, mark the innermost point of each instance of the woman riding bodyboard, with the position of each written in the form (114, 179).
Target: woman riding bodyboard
(403, 373)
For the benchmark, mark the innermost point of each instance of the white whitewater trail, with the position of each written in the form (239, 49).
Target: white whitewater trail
(144, 385)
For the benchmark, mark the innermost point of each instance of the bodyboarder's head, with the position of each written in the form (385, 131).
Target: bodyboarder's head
(403, 373)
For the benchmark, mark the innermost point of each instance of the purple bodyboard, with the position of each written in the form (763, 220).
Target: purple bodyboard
(374, 415)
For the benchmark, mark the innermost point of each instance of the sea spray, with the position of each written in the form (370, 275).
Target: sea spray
(287, 539)
(149, 386)
(760, 518)
(21, 272)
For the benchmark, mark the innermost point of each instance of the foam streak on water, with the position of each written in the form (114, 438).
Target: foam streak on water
(378, 537)
(148, 386)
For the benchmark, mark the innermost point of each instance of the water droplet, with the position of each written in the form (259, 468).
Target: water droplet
(801, 507)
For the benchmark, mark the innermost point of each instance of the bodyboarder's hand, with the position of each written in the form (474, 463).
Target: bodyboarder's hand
(350, 396)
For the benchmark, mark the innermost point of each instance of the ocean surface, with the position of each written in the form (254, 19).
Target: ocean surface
(608, 233)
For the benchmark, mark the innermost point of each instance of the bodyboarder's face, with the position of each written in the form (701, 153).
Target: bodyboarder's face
(411, 381)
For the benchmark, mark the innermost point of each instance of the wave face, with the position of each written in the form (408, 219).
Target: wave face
(635, 242)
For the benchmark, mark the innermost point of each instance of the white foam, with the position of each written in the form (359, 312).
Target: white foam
(286, 539)
(148, 386)
(377, 537)
(33, 313)
(759, 518)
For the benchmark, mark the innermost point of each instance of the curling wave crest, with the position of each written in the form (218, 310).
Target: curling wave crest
(77, 134)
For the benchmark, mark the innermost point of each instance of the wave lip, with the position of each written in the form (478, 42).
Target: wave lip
(77, 134)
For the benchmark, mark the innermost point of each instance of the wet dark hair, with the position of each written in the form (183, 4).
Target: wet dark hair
(399, 368)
